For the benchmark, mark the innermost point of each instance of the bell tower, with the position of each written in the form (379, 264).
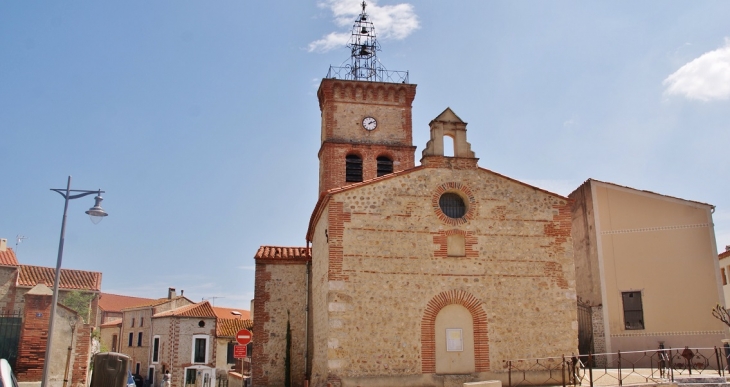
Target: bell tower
(366, 115)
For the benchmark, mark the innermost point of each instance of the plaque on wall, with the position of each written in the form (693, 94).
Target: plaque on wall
(454, 340)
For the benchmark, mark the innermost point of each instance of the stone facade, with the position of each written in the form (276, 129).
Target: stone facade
(397, 291)
(176, 347)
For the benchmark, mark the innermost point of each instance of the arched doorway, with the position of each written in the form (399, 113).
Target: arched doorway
(454, 340)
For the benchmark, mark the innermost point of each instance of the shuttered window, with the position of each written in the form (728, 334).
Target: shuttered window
(633, 310)
(385, 165)
(353, 169)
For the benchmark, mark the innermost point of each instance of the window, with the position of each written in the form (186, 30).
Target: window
(114, 343)
(136, 369)
(353, 169)
(132, 322)
(385, 165)
(724, 279)
(141, 321)
(200, 349)
(131, 339)
(229, 356)
(156, 349)
(452, 205)
(139, 340)
(190, 376)
(633, 310)
(151, 376)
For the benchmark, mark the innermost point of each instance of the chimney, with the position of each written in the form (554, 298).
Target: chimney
(182, 291)
(171, 293)
(727, 247)
(4, 244)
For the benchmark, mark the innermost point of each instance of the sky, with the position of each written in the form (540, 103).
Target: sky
(200, 119)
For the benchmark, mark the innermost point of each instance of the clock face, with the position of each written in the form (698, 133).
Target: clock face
(369, 123)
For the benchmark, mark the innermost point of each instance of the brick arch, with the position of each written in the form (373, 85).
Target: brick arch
(428, 329)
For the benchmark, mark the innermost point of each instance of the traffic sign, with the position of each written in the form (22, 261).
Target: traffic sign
(239, 351)
(243, 336)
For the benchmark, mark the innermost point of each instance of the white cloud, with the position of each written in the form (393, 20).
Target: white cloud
(391, 22)
(705, 78)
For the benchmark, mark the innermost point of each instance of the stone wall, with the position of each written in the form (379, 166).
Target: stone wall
(8, 274)
(585, 251)
(599, 334)
(280, 297)
(386, 275)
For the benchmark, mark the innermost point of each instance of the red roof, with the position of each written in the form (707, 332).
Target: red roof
(29, 276)
(201, 309)
(222, 312)
(228, 327)
(154, 302)
(725, 254)
(115, 303)
(284, 253)
(7, 258)
(113, 323)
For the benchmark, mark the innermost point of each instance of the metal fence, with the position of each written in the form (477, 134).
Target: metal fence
(378, 74)
(10, 324)
(634, 367)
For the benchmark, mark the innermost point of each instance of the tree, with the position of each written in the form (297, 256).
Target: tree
(721, 313)
(80, 302)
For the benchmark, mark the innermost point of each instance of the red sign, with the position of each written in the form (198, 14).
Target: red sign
(239, 351)
(243, 336)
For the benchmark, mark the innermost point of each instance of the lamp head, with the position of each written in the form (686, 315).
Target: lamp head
(97, 213)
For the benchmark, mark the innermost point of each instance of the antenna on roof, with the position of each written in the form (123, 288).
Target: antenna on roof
(19, 238)
(211, 298)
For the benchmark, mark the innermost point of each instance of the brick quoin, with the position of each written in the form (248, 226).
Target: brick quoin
(82, 355)
(261, 336)
(33, 338)
(428, 329)
(336, 221)
(559, 231)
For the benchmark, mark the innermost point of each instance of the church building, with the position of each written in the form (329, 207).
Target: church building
(413, 275)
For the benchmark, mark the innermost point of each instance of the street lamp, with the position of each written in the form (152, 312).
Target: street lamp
(97, 214)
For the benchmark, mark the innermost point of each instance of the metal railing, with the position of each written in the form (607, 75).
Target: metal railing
(604, 369)
(349, 73)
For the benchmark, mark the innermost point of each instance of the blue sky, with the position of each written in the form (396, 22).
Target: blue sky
(201, 121)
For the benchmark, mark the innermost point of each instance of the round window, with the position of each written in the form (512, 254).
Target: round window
(452, 205)
(201, 323)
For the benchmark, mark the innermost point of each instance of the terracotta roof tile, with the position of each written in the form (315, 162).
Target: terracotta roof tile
(115, 302)
(153, 302)
(7, 258)
(201, 309)
(725, 254)
(228, 327)
(222, 312)
(113, 323)
(70, 279)
(284, 253)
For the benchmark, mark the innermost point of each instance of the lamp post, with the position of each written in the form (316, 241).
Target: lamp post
(97, 214)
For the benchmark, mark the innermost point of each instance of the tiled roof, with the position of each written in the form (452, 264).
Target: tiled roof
(115, 302)
(153, 302)
(201, 309)
(284, 253)
(113, 323)
(228, 327)
(222, 312)
(725, 254)
(70, 279)
(7, 258)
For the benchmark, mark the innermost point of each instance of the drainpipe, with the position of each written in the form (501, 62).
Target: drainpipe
(306, 323)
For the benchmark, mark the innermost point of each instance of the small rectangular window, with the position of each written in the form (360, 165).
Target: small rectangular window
(229, 354)
(114, 343)
(132, 322)
(131, 339)
(141, 321)
(151, 376)
(156, 350)
(724, 278)
(139, 339)
(190, 376)
(633, 310)
(199, 351)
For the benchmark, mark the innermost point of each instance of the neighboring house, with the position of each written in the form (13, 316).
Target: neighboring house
(647, 264)
(109, 333)
(135, 333)
(414, 273)
(228, 322)
(724, 259)
(184, 341)
(25, 300)
(111, 305)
